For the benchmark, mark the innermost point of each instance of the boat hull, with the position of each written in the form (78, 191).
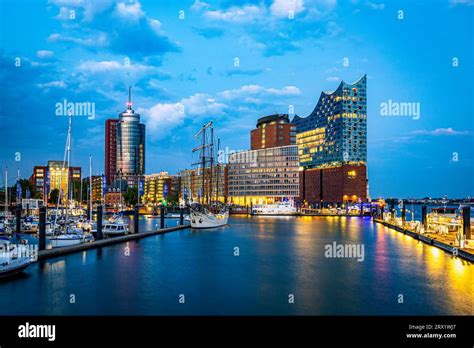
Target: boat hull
(14, 268)
(201, 220)
(58, 242)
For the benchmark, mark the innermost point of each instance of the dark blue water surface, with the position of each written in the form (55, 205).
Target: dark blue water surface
(279, 256)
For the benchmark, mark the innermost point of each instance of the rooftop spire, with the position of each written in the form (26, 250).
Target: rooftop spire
(129, 104)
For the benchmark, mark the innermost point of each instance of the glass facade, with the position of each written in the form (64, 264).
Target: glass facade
(335, 132)
(130, 147)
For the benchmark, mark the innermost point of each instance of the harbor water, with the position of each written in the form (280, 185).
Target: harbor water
(253, 266)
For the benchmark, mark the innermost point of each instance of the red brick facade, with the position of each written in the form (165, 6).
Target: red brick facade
(277, 134)
(337, 184)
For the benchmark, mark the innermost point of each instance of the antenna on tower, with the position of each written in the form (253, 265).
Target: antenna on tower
(129, 104)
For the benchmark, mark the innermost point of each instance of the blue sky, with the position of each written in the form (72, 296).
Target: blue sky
(180, 59)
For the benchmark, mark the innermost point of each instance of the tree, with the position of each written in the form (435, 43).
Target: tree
(173, 199)
(25, 186)
(53, 196)
(130, 196)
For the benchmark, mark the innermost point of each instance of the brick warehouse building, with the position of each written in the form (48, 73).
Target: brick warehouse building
(272, 131)
(332, 146)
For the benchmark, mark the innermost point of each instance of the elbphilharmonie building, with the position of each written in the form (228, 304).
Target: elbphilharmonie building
(332, 146)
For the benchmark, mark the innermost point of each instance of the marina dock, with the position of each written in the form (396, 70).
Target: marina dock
(49, 253)
(434, 240)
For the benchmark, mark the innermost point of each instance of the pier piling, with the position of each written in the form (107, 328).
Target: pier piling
(392, 210)
(42, 228)
(181, 216)
(135, 219)
(424, 221)
(162, 217)
(18, 218)
(99, 223)
(404, 212)
(466, 221)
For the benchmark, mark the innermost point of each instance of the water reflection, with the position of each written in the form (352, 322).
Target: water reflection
(277, 257)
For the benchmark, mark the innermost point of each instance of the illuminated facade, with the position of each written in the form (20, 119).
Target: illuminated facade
(332, 146)
(160, 187)
(191, 184)
(54, 176)
(99, 187)
(272, 131)
(125, 147)
(263, 176)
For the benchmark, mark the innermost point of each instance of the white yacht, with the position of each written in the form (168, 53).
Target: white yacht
(117, 228)
(69, 239)
(279, 208)
(206, 219)
(11, 259)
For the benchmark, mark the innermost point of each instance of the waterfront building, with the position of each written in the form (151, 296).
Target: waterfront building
(332, 146)
(125, 147)
(99, 188)
(263, 176)
(191, 183)
(54, 176)
(272, 131)
(113, 197)
(161, 188)
(110, 150)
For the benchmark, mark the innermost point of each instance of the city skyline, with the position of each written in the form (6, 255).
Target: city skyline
(180, 81)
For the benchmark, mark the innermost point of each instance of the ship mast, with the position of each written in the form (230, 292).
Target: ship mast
(218, 169)
(202, 148)
(211, 153)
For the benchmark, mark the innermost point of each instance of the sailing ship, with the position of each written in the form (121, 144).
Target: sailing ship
(68, 234)
(208, 213)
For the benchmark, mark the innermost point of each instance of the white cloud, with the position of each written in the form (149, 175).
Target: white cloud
(201, 104)
(99, 39)
(256, 90)
(283, 8)
(64, 13)
(199, 5)
(52, 84)
(161, 118)
(375, 6)
(333, 79)
(461, 2)
(244, 14)
(129, 11)
(42, 54)
(440, 131)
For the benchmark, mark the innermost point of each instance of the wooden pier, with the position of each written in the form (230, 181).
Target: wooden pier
(49, 253)
(434, 241)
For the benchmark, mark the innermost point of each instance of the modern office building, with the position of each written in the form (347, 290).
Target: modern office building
(272, 131)
(110, 150)
(161, 188)
(99, 188)
(332, 146)
(125, 147)
(54, 176)
(264, 176)
(192, 181)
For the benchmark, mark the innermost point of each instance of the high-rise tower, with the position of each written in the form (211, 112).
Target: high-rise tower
(129, 160)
